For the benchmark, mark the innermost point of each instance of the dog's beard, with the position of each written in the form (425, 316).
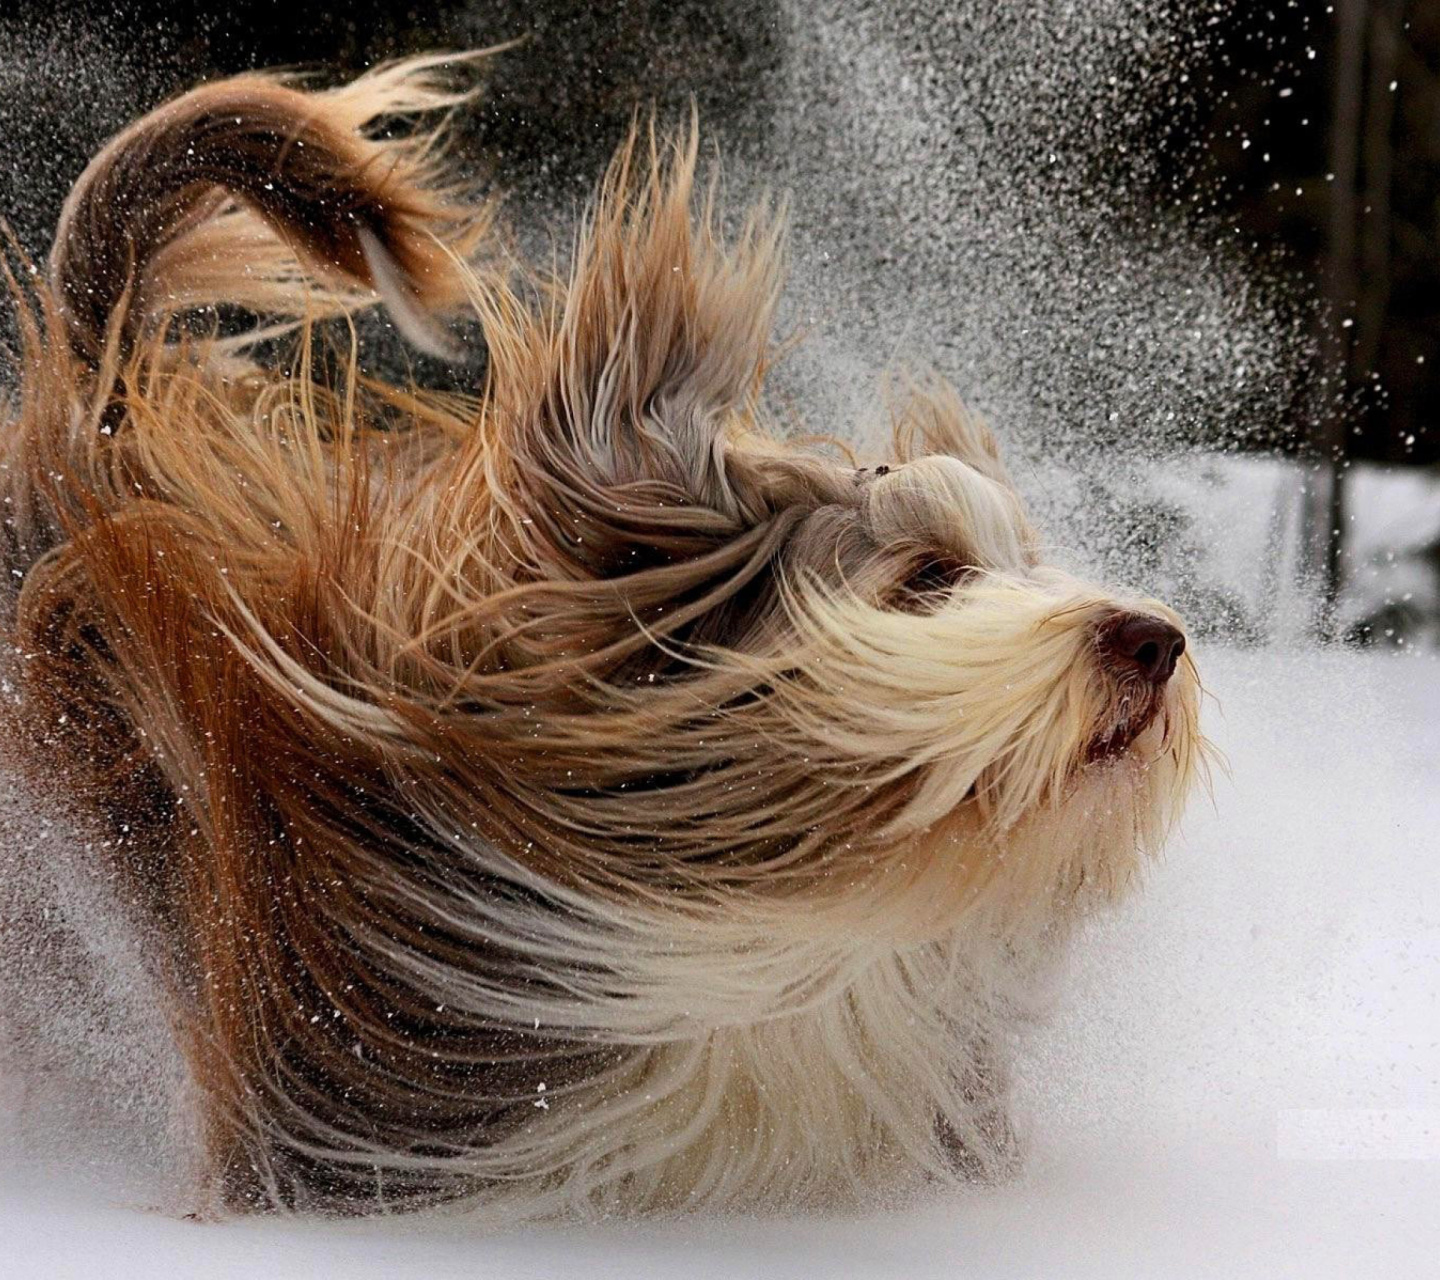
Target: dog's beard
(981, 717)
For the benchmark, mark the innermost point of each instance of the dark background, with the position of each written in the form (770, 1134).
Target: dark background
(1266, 75)
(1303, 137)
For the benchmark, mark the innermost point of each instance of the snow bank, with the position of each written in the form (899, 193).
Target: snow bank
(1235, 541)
(1239, 1077)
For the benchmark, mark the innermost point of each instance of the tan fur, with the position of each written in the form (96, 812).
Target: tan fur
(573, 797)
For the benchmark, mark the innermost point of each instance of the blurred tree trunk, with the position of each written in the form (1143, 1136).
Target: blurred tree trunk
(1325, 507)
(1387, 17)
(1368, 37)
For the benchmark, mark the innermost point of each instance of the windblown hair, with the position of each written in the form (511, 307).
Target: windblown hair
(573, 796)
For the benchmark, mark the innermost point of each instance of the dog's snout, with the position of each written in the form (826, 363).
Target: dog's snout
(1145, 645)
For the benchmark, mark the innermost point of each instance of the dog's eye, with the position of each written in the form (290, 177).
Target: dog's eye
(931, 581)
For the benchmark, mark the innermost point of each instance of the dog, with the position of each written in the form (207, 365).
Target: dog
(574, 795)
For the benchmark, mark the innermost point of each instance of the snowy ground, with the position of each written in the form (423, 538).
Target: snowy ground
(1241, 1079)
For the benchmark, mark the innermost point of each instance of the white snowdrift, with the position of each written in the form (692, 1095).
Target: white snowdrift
(1242, 1076)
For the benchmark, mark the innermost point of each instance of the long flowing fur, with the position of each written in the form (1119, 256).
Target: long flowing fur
(574, 797)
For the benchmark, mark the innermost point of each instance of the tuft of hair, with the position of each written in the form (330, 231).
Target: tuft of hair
(246, 190)
(250, 193)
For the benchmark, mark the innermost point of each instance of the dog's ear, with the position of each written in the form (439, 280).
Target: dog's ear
(951, 490)
(624, 393)
(252, 192)
(928, 417)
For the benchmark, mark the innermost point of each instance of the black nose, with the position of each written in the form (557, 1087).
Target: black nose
(1146, 645)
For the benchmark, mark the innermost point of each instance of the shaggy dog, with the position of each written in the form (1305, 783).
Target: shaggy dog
(573, 795)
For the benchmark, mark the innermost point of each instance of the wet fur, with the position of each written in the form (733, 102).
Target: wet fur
(575, 796)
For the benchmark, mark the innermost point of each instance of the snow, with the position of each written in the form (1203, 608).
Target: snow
(1243, 532)
(1239, 1059)
(1240, 1077)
